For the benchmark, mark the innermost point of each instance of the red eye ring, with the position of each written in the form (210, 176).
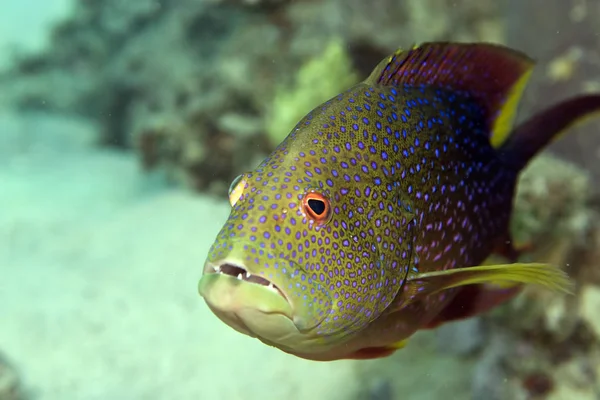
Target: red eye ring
(317, 207)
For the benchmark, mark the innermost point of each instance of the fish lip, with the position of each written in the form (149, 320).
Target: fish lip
(228, 267)
(307, 302)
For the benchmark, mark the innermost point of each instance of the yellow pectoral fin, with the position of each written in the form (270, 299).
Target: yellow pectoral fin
(549, 276)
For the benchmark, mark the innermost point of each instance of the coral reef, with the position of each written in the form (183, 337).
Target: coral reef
(551, 202)
(316, 81)
(163, 78)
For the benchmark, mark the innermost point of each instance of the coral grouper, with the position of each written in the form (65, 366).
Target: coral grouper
(374, 217)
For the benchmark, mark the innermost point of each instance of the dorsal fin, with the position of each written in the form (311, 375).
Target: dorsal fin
(495, 76)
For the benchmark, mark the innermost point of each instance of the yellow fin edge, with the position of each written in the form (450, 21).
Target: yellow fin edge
(546, 275)
(503, 124)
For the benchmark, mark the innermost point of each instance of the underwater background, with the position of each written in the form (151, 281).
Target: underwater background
(122, 124)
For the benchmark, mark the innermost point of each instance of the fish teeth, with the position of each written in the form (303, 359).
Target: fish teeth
(239, 276)
(272, 287)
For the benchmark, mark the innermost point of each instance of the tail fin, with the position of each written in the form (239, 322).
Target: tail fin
(534, 134)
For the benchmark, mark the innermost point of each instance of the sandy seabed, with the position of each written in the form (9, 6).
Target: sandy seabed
(99, 267)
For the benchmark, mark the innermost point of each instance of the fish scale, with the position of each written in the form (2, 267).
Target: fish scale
(367, 221)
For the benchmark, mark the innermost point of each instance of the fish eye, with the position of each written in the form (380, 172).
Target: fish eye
(236, 189)
(317, 207)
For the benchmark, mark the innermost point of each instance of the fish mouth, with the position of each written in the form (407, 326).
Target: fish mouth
(278, 303)
(243, 274)
(249, 303)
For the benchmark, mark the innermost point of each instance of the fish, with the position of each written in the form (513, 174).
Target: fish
(373, 219)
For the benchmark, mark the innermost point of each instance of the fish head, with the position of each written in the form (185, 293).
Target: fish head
(303, 261)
